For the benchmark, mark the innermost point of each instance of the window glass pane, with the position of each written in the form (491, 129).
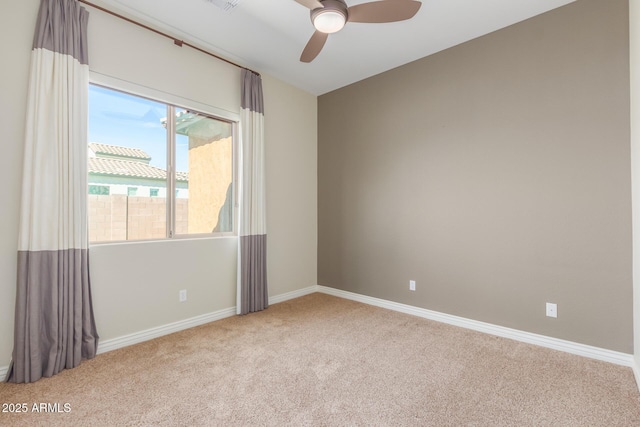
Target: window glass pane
(128, 197)
(204, 164)
(127, 158)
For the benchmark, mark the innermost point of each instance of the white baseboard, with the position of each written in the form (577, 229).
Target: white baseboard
(293, 294)
(138, 337)
(618, 358)
(149, 334)
(584, 350)
(636, 372)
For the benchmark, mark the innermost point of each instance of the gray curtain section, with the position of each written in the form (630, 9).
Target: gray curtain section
(252, 256)
(62, 27)
(54, 324)
(253, 250)
(252, 98)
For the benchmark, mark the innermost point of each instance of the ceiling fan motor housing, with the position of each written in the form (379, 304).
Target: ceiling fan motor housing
(332, 7)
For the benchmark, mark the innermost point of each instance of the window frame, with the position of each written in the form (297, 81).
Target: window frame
(174, 102)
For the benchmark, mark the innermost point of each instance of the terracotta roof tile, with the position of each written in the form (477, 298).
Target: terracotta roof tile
(115, 150)
(116, 167)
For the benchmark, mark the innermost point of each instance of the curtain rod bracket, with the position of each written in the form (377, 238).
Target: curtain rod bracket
(178, 42)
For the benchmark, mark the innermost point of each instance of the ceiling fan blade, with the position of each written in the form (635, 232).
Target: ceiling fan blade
(314, 46)
(311, 4)
(384, 11)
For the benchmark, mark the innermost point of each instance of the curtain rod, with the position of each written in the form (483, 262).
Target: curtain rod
(176, 41)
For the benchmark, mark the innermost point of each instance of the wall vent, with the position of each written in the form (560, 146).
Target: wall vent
(226, 5)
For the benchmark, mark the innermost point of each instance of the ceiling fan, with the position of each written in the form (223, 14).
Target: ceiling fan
(330, 16)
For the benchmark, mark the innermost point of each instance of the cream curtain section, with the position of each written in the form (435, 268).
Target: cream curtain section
(54, 322)
(252, 252)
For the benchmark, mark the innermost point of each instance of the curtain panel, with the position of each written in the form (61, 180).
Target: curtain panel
(54, 322)
(252, 248)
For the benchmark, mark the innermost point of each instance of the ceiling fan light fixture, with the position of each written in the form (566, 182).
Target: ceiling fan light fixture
(329, 21)
(330, 16)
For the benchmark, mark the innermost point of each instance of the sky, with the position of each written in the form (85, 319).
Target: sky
(116, 118)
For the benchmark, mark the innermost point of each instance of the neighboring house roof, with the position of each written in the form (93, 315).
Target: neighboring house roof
(116, 167)
(115, 150)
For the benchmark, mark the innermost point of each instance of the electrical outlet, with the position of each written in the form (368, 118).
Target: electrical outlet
(412, 285)
(552, 309)
(183, 295)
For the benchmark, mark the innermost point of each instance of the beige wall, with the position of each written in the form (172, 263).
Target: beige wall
(634, 21)
(496, 174)
(292, 177)
(135, 285)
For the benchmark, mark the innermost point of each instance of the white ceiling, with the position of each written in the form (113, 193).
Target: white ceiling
(269, 35)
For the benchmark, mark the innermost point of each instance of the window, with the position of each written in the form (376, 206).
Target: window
(156, 170)
(99, 189)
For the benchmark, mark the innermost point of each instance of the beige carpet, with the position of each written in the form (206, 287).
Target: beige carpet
(324, 361)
